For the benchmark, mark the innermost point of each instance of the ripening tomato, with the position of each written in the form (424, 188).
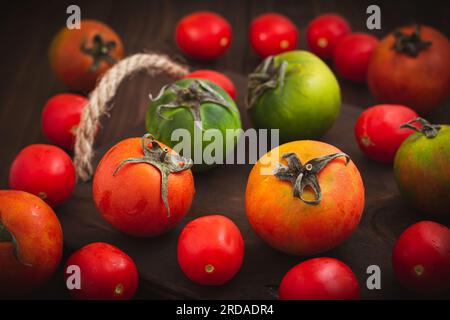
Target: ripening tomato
(106, 273)
(45, 171)
(324, 33)
(273, 33)
(319, 279)
(215, 77)
(210, 250)
(352, 55)
(79, 57)
(378, 131)
(60, 118)
(142, 187)
(203, 35)
(421, 258)
(304, 197)
(31, 242)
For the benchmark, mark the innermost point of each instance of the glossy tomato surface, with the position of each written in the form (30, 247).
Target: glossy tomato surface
(43, 170)
(378, 131)
(320, 279)
(215, 77)
(203, 35)
(33, 226)
(421, 258)
(273, 33)
(352, 55)
(324, 33)
(106, 273)
(210, 250)
(61, 117)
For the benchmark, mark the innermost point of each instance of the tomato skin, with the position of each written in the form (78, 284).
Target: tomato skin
(378, 131)
(352, 55)
(272, 34)
(45, 171)
(60, 118)
(124, 200)
(324, 33)
(421, 258)
(107, 273)
(319, 279)
(213, 242)
(215, 77)
(39, 235)
(73, 66)
(203, 35)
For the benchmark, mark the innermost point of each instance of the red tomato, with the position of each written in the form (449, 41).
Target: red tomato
(30, 226)
(43, 170)
(352, 55)
(60, 118)
(210, 250)
(203, 35)
(319, 279)
(324, 33)
(215, 77)
(273, 33)
(106, 273)
(421, 258)
(378, 131)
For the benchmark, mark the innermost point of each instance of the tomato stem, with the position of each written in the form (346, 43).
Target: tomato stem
(8, 236)
(428, 130)
(100, 51)
(161, 159)
(302, 176)
(410, 44)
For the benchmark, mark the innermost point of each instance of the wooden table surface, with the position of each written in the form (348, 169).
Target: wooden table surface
(27, 27)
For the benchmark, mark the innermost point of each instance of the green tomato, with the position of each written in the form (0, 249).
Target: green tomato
(181, 105)
(296, 93)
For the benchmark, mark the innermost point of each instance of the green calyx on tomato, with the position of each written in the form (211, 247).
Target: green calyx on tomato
(161, 159)
(302, 176)
(7, 236)
(428, 130)
(410, 44)
(100, 51)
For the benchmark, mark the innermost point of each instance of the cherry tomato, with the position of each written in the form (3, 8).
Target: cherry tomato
(210, 250)
(43, 170)
(273, 33)
(106, 273)
(203, 35)
(60, 118)
(421, 258)
(324, 33)
(378, 131)
(319, 279)
(215, 77)
(352, 55)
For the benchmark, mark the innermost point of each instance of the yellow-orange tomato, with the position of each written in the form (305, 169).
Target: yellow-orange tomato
(290, 224)
(80, 56)
(30, 242)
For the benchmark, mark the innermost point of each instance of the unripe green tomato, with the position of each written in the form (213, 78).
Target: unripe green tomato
(296, 93)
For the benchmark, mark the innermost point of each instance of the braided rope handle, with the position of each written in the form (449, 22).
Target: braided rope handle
(105, 92)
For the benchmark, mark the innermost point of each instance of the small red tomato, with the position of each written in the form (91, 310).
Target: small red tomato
(319, 279)
(210, 250)
(43, 170)
(421, 258)
(215, 77)
(378, 131)
(324, 32)
(273, 33)
(203, 35)
(60, 118)
(352, 55)
(106, 273)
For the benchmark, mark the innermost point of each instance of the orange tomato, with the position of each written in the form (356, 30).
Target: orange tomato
(292, 225)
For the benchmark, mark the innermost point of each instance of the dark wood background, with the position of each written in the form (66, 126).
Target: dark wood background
(27, 27)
